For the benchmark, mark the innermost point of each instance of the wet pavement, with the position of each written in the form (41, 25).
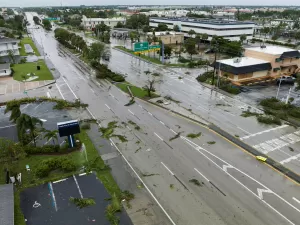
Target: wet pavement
(183, 157)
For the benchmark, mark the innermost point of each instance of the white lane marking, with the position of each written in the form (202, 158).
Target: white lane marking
(162, 123)
(158, 136)
(58, 181)
(80, 193)
(107, 106)
(112, 95)
(48, 94)
(128, 128)
(150, 113)
(295, 157)
(82, 174)
(298, 201)
(243, 130)
(202, 175)
(155, 199)
(130, 112)
(92, 90)
(91, 113)
(198, 148)
(140, 106)
(98, 83)
(167, 169)
(229, 113)
(260, 192)
(53, 195)
(173, 131)
(8, 126)
(173, 93)
(265, 131)
(69, 87)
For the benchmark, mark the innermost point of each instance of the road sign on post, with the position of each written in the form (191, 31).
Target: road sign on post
(141, 46)
(154, 47)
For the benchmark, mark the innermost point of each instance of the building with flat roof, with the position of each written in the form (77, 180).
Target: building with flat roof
(229, 29)
(90, 23)
(284, 61)
(243, 69)
(7, 46)
(168, 37)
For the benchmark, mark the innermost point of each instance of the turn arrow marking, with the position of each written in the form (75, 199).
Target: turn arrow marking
(260, 192)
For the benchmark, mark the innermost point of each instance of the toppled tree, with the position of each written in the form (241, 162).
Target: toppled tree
(149, 87)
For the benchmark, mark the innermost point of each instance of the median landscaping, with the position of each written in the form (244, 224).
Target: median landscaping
(29, 72)
(136, 91)
(153, 60)
(28, 40)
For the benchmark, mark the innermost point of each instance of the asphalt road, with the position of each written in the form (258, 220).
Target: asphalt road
(234, 188)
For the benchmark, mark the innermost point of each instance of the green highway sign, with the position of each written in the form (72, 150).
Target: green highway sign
(52, 19)
(154, 47)
(141, 46)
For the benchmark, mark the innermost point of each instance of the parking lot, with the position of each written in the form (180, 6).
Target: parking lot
(49, 204)
(44, 111)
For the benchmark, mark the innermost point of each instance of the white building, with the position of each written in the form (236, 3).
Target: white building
(167, 13)
(90, 23)
(288, 23)
(231, 30)
(7, 45)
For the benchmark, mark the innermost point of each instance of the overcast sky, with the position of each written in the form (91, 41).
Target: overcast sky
(28, 3)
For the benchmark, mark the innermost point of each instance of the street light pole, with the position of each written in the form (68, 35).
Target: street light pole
(278, 88)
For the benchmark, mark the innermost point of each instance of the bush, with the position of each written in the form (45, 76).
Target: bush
(31, 150)
(82, 202)
(68, 165)
(46, 166)
(203, 77)
(269, 120)
(23, 60)
(230, 89)
(274, 103)
(183, 60)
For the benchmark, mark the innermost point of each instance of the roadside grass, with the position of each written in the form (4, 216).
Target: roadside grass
(249, 114)
(28, 40)
(136, 91)
(154, 60)
(21, 70)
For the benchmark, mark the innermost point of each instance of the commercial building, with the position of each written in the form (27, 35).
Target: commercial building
(287, 23)
(228, 29)
(90, 23)
(9, 46)
(260, 64)
(284, 61)
(243, 69)
(169, 37)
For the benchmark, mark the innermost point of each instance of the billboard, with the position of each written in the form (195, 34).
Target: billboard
(68, 128)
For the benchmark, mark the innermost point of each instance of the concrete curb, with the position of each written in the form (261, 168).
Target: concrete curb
(41, 86)
(294, 176)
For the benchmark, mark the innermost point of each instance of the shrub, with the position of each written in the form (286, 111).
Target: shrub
(82, 202)
(183, 60)
(31, 150)
(269, 120)
(274, 103)
(203, 77)
(23, 60)
(191, 135)
(68, 165)
(230, 89)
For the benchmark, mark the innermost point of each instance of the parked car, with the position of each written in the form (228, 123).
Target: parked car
(285, 80)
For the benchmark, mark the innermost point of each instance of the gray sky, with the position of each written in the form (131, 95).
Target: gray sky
(28, 3)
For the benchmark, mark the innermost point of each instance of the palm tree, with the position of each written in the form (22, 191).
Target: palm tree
(191, 33)
(198, 38)
(15, 112)
(51, 134)
(27, 123)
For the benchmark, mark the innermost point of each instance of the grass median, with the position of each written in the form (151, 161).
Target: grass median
(136, 91)
(21, 71)
(28, 40)
(153, 60)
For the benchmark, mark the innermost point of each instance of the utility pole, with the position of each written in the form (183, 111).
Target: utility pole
(215, 49)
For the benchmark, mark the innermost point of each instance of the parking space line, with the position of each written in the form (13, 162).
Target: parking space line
(54, 182)
(60, 91)
(80, 193)
(52, 195)
(296, 200)
(8, 126)
(295, 157)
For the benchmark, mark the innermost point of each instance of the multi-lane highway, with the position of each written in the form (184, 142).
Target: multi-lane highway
(233, 187)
